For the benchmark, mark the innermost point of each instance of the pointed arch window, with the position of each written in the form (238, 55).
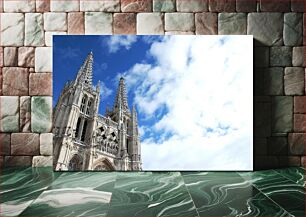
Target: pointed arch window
(83, 104)
(77, 128)
(128, 124)
(88, 107)
(84, 131)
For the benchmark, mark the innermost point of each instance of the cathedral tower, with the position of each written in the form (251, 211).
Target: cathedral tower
(86, 140)
(73, 119)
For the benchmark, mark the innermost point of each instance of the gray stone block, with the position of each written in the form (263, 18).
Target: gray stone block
(293, 29)
(262, 120)
(41, 114)
(206, 23)
(280, 56)
(179, 22)
(232, 23)
(5, 143)
(297, 5)
(262, 57)
(289, 161)
(222, 6)
(25, 144)
(246, 5)
(9, 114)
(191, 5)
(17, 161)
(274, 81)
(42, 161)
(260, 146)
(294, 81)
(278, 145)
(273, 6)
(282, 114)
(267, 28)
(259, 81)
(46, 143)
(163, 5)
(298, 56)
(296, 143)
(265, 162)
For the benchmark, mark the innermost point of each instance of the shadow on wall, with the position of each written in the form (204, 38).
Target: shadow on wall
(273, 114)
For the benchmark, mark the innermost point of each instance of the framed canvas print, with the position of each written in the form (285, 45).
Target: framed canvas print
(153, 103)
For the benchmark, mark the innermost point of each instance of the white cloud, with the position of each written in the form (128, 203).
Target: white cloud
(115, 43)
(105, 91)
(201, 87)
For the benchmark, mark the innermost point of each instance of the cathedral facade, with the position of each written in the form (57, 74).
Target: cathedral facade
(84, 139)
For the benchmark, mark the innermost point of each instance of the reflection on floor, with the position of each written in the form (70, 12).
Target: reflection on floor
(42, 192)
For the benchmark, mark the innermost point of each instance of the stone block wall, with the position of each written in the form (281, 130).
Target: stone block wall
(27, 26)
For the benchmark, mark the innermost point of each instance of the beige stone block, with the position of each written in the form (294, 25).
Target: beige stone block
(40, 84)
(42, 5)
(25, 114)
(150, 24)
(26, 56)
(55, 21)
(9, 113)
(191, 5)
(46, 144)
(179, 22)
(206, 23)
(98, 23)
(5, 143)
(136, 6)
(10, 56)
(124, 23)
(17, 161)
(25, 144)
(76, 23)
(64, 6)
(34, 30)
(179, 33)
(15, 81)
(43, 59)
(19, 6)
(100, 5)
(12, 29)
(1, 56)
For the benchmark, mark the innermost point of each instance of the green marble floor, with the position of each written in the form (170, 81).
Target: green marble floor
(42, 192)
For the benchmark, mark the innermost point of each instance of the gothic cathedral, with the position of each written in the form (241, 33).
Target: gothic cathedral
(86, 140)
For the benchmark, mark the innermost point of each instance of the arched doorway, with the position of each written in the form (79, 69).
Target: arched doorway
(75, 163)
(103, 165)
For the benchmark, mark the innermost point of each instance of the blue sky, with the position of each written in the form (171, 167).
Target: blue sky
(69, 52)
(193, 94)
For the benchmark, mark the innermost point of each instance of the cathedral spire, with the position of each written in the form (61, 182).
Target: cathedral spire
(85, 72)
(121, 97)
(134, 120)
(134, 116)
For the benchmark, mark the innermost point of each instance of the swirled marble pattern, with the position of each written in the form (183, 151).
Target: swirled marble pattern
(42, 192)
(227, 194)
(20, 187)
(296, 174)
(75, 194)
(151, 194)
(285, 192)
